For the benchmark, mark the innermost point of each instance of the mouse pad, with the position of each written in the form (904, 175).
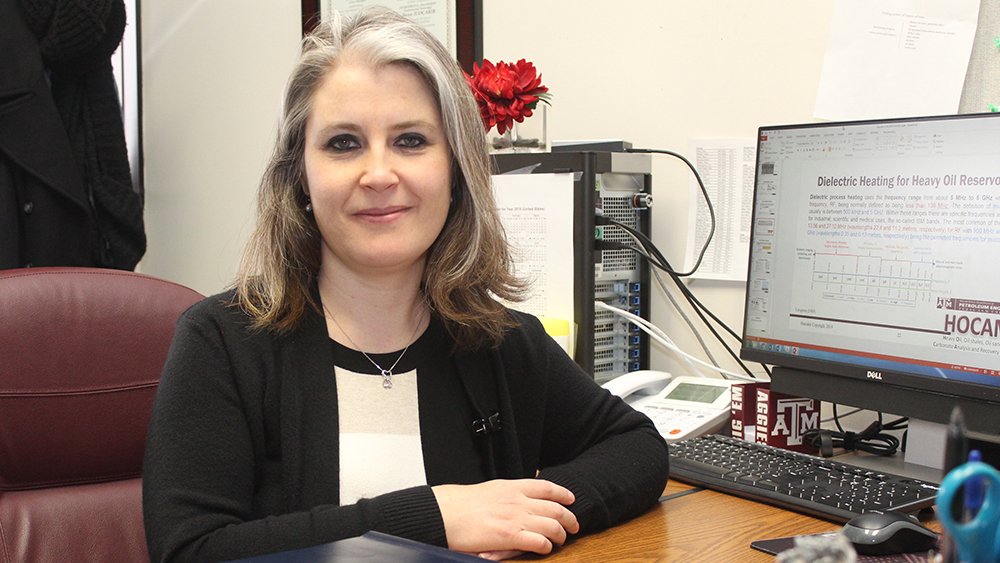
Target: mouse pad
(777, 545)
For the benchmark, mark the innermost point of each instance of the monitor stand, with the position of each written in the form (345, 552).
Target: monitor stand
(925, 443)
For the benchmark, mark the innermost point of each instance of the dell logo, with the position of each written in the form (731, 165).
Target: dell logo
(875, 375)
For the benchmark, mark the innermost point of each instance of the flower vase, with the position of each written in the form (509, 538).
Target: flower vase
(531, 135)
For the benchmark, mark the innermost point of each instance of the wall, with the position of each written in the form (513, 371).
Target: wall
(654, 72)
(661, 72)
(213, 72)
(658, 73)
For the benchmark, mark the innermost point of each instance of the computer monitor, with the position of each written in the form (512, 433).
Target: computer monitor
(874, 276)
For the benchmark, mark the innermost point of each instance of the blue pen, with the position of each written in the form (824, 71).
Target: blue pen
(974, 490)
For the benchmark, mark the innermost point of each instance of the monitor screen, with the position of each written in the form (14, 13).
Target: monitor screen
(874, 275)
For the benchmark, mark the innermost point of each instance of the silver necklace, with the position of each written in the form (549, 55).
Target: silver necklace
(386, 373)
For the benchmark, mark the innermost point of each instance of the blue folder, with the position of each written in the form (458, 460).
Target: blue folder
(371, 547)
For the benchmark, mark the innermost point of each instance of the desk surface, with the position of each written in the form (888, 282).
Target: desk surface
(701, 526)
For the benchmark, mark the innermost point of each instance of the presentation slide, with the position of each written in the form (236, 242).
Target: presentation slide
(889, 252)
(889, 257)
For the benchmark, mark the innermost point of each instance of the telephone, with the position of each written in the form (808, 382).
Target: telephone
(680, 407)
(636, 385)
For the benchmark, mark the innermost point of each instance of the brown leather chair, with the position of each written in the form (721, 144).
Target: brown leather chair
(81, 352)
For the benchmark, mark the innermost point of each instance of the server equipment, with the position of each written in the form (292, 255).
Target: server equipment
(616, 185)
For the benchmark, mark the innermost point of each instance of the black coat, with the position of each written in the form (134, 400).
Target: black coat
(66, 196)
(243, 450)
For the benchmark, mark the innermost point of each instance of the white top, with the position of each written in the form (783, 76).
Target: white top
(380, 448)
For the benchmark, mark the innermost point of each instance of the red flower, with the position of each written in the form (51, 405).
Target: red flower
(506, 92)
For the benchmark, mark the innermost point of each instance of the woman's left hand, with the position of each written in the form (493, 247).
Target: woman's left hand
(498, 518)
(498, 555)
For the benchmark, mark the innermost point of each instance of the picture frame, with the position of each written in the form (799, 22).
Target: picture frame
(468, 27)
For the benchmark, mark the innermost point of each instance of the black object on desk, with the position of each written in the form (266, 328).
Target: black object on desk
(777, 545)
(888, 533)
(820, 487)
(373, 546)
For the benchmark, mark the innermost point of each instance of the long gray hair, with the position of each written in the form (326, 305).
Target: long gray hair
(468, 266)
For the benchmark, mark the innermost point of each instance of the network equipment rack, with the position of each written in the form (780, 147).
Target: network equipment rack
(618, 186)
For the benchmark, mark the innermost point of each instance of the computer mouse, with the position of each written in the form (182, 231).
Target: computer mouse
(888, 533)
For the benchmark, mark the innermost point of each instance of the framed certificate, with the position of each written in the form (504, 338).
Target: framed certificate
(458, 24)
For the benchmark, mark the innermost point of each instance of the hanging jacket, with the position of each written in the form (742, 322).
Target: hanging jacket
(66, 195)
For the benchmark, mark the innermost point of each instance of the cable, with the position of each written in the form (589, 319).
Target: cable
(658, 335)
(901, 423)
(663, 339)
(684, 316)
(704, 192)
(836, 418)
(656, 259)
(845, 415)
(871, 440)
(649, 251)
(646, 326)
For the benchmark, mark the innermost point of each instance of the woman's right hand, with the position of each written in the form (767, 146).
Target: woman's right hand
(506, 516)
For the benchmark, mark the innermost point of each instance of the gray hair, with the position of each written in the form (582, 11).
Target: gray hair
(468, 266)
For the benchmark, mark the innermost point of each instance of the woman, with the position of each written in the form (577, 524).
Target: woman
(362, 375)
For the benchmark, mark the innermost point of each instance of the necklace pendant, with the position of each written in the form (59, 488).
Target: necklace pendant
(386, 379)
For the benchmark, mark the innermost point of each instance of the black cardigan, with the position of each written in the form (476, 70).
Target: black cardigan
(242, 455)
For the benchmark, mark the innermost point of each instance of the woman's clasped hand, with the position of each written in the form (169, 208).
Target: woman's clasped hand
(501, 517)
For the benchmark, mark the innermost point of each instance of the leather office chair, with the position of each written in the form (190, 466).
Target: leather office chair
(81, 352)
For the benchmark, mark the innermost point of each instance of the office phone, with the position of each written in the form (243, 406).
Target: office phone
(681, 407)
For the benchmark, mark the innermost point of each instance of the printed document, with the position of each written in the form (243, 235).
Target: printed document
(436, 16)
(896, 58)
(726, 166)
(537, 214)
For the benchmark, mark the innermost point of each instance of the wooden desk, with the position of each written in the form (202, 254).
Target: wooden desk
(701, 526)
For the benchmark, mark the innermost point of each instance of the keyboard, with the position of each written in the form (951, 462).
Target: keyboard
(816, 486)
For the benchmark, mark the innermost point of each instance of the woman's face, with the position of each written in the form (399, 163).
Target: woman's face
(377, 167)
